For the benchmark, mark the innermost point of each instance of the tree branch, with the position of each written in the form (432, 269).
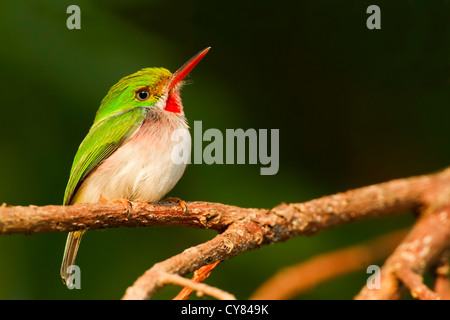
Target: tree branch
(241, 229)
(294, 219)
(424, 246)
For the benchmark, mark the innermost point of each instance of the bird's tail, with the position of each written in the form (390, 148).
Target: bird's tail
(70, 252)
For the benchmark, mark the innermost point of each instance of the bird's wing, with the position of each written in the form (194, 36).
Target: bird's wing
(104, 137)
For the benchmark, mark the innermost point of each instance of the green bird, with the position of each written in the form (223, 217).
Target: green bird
(127, 154)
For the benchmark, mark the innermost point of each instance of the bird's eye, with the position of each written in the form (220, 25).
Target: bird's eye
(142, 94)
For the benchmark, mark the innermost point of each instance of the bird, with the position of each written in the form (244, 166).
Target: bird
(126, 155)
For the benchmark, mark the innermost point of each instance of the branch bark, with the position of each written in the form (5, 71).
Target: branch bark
(240, 229)
(423, 247)
(291, 219)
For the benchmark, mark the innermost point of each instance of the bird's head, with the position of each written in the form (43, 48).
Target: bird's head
(149, 87)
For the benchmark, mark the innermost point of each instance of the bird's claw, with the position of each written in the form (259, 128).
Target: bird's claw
(181, 203)
(124, 202)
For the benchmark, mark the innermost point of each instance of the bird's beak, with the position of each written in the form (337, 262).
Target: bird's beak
(181, 73)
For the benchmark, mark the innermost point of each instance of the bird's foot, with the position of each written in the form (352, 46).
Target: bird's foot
(181, 203)
(124, 202)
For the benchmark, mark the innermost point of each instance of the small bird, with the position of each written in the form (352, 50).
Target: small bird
(126, 156)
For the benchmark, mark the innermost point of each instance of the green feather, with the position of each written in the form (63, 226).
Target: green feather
(104, 137)
(118, 97)
(120, 115)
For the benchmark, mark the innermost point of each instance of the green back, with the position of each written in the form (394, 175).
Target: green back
(103, 139)
(120, 115)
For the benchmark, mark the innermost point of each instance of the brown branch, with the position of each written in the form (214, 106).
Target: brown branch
(238, 238)
(428, 240)
(291, 281)
(255, 229)
(291, 219)
(242, 229)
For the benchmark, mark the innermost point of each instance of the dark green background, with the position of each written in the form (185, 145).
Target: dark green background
(353, 106)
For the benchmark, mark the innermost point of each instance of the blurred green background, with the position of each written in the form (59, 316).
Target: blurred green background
(353, 106)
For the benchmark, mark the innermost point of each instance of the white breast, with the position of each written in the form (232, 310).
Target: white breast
(142, 169)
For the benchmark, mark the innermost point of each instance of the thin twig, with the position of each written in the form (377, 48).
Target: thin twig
(199, 276)
(201, 288)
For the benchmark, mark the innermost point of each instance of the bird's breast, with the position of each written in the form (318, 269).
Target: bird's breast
(142, 169)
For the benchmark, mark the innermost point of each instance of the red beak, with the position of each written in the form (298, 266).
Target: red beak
(181, 73)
